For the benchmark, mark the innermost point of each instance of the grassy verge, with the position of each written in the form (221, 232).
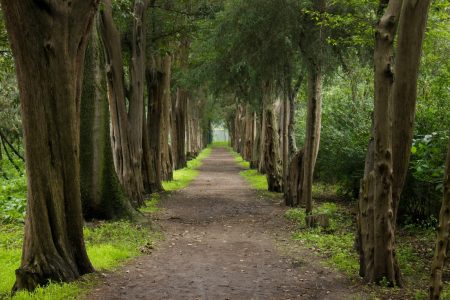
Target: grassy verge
(183, 177)
(109, 245)
(336, 245)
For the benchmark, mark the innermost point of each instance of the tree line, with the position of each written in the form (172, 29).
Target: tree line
(99, 106)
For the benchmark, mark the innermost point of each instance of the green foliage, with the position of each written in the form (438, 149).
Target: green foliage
(13, 193)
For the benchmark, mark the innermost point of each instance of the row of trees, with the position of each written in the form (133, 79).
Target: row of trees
(268, 52)
(105, 119)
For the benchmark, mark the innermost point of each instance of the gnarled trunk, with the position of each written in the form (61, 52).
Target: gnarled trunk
(271, 145)
(126, 123)
(395, 96)
(49, 41)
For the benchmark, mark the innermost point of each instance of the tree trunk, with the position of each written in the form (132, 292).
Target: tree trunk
(49, 41)
(173, 130)
(152, 131)
(271, 146)
(440, 252)
(291, 125)
(126, 123)
(262, 141)
(377, 231)
(165, 157)
(254, 163)
(285, 141)
(312, 139)
(180, 122)
(101, 193)
(411, 32)
(248, 146)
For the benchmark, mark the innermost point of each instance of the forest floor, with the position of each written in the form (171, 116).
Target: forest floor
(224, 240)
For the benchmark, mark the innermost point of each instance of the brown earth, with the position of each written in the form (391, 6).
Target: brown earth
(225, 241)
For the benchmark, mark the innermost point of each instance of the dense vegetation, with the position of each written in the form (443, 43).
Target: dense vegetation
(348, 96)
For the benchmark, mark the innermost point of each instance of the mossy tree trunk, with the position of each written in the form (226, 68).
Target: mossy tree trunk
(49, 40)
(101, 193)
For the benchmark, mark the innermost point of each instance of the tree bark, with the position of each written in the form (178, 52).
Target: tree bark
(101, 193)
(271, 145)
(376, 220)
(165, 155)
(152, 131)
(440, 252)
(411, 33)
(49, 41)
(285, 140)
(262, 141)
(312, 139)
(126, 123)
(180, 123)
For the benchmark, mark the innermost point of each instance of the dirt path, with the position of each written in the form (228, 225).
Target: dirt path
(224, 242)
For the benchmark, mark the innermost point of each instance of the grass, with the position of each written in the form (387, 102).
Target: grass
(151, 205)
(109, 245)
(220, 145)
(183, 177)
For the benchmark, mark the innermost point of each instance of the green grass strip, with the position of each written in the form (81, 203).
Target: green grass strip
(183, 177)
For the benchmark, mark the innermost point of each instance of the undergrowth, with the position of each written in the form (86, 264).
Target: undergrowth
(336, 245)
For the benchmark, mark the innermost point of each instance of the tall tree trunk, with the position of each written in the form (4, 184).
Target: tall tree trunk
(49, 41)
(262, 141)
(271, 145)
(152, 130)
(126, 123)
(249, 133)
(411, 33)
(312, 139)
(174, 130)
(256, 142)
(394, 102)
(440, 252)
(101, 193)
(180, 122)
(165, 156)
(291, 125)
(285, 141)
